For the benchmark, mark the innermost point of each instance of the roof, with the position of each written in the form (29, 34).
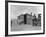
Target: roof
(24, 14)
(27, 14)
(20, 15)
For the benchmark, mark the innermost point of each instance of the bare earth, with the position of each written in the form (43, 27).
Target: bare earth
(22, 27)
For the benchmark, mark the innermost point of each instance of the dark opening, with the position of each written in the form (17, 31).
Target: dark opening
(24, 19)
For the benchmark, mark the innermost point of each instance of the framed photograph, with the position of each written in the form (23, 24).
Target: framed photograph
(24, 18)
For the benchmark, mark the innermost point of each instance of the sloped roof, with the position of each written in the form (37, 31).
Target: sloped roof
(27, 14)
(24, 14)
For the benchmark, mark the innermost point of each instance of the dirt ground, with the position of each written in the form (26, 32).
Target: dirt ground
(22, 27)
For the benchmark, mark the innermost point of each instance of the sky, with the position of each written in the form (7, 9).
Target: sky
(17, 10)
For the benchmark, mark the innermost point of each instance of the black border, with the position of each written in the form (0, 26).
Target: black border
(6, 17)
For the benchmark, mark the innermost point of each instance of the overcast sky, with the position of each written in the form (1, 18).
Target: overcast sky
(16, 10)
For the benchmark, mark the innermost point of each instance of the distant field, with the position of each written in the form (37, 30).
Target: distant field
(16, 27)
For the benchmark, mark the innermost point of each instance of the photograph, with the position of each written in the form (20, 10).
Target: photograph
(25, 18)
